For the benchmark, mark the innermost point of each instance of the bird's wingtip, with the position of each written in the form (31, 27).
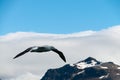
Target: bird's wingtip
(14, 58)
(65, 60)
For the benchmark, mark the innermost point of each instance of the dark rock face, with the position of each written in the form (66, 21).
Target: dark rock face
(88, 69)
(64, 73)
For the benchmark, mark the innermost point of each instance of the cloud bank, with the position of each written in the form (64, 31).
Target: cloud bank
(103, 45)
(27, 76)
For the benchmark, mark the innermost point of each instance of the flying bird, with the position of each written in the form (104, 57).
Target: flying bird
(45, 48)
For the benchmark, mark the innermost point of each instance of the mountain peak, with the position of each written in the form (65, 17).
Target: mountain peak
(90, 58)
(88, 62)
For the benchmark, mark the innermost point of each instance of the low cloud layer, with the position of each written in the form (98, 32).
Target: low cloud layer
(27, 76)
(103, 45)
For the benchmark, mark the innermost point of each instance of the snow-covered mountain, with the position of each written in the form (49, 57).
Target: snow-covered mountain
(88, 69)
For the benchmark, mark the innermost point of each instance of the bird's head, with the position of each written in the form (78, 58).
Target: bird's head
(52, 47)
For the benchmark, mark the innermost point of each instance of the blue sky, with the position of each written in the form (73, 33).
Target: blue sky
(57, 16)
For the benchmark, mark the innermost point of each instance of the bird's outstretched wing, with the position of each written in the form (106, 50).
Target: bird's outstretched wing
(22, 53)
(60, 54)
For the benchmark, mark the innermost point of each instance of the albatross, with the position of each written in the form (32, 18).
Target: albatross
(39, 49)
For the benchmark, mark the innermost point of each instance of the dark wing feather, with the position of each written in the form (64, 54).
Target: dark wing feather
(22, 53)
(60, 54)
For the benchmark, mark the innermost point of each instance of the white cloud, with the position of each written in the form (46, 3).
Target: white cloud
(27, 76)
(103, 45)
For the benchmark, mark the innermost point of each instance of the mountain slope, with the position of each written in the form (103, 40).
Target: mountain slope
(88, 69)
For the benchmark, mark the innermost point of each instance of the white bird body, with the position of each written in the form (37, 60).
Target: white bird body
(38, 49)
(41, 48)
